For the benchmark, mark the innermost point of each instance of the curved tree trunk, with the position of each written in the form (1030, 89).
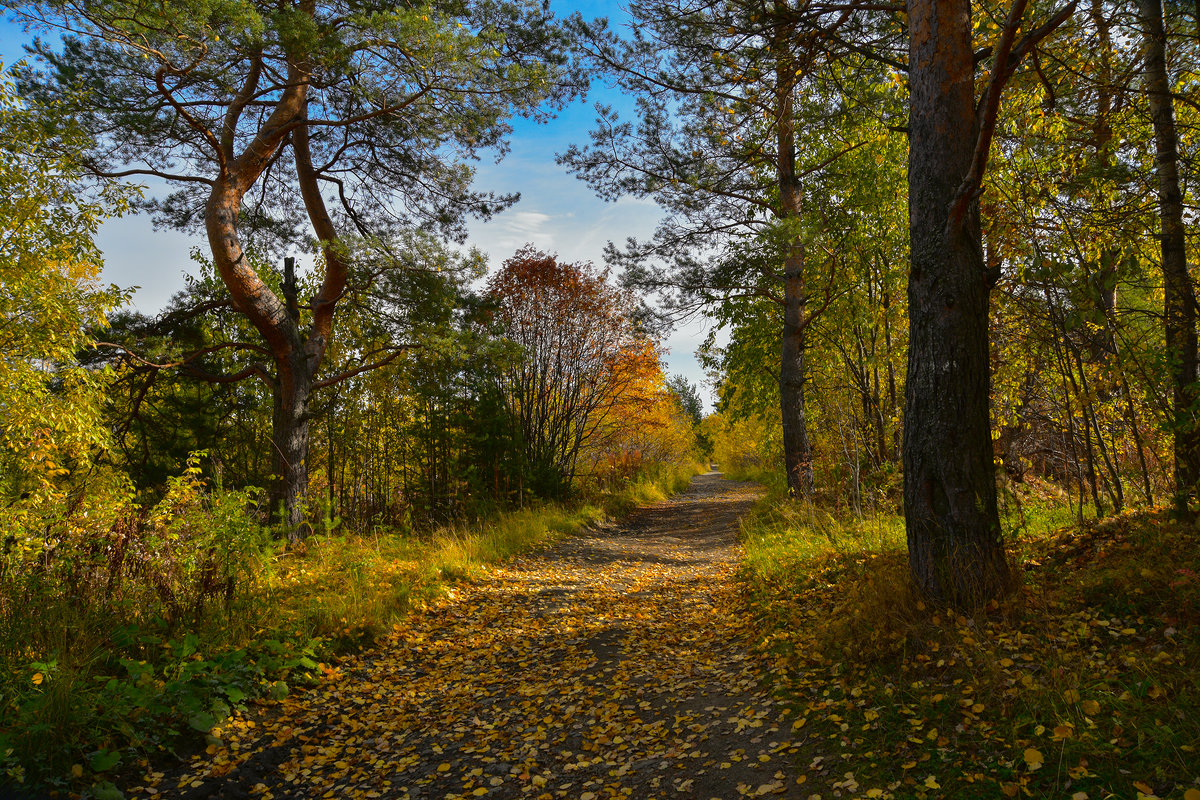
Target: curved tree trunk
(1179, 296)
(295, 356)
(955, 549)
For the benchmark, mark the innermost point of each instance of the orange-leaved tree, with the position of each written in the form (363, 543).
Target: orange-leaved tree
(582, 358)
(647, 426)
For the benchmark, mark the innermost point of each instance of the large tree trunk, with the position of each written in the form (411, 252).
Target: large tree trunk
(955, 548)
(294, 366)
(1179, 298)
(297, 353)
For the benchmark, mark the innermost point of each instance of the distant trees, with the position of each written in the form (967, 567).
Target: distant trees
(583, 364)
(280, 123)
(537, 388)
(726, 141)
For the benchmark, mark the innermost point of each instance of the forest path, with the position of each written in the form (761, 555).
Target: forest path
(611, 665)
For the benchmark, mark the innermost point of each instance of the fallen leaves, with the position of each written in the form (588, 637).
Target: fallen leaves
(1070, 686)
(613, 666)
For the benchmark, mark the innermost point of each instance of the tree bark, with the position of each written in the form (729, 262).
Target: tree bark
(797, 449)
(296, 358)
(289, 442)
(956, 552)
(1179, 296)
(292, 381)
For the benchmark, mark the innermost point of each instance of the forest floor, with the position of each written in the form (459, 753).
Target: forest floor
(616, 663)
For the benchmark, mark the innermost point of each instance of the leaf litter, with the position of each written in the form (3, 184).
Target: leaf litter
(616, 664)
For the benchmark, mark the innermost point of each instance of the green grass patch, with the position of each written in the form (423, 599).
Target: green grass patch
(1083, 683)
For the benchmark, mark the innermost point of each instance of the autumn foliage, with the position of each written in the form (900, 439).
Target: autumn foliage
(586, 384)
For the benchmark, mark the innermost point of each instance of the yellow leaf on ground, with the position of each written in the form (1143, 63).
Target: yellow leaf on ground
(1191, 794)
(1034, 758)
(1064, 731)
(1090, 707)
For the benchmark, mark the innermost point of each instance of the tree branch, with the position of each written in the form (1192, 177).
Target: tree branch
(1008, 58)
(160, 81)
(350, 373)
(189, 357)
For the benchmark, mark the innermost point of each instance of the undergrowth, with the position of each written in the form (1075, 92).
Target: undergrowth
(1085, 683)
(144, 634)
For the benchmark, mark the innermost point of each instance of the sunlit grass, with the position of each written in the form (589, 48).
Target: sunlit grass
(348, 589)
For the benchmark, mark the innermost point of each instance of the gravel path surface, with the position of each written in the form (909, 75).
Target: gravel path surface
(610, 665)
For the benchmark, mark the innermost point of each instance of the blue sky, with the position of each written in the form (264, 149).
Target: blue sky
(557, 212)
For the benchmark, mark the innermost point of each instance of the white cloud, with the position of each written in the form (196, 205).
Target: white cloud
(512, 229)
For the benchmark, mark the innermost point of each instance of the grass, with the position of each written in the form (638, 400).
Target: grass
(1085, 683)
(346, 590)
(85, 687)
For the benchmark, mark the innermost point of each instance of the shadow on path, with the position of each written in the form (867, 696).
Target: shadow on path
(611, 665)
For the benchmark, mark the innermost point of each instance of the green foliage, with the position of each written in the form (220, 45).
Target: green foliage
(49, 267)
(101, 626)
(746, 448)
(445, 78)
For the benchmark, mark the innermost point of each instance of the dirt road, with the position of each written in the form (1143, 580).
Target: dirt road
(611, 665)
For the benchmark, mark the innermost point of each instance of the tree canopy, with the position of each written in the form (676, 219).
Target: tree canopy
(338, 128)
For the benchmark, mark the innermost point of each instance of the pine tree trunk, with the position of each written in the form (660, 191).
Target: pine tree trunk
(294, 360)
(955, 548)
(797, 450)
(289, 444)
(1179, 300)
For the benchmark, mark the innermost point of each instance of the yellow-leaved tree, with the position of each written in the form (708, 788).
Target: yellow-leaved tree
(50, 297)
